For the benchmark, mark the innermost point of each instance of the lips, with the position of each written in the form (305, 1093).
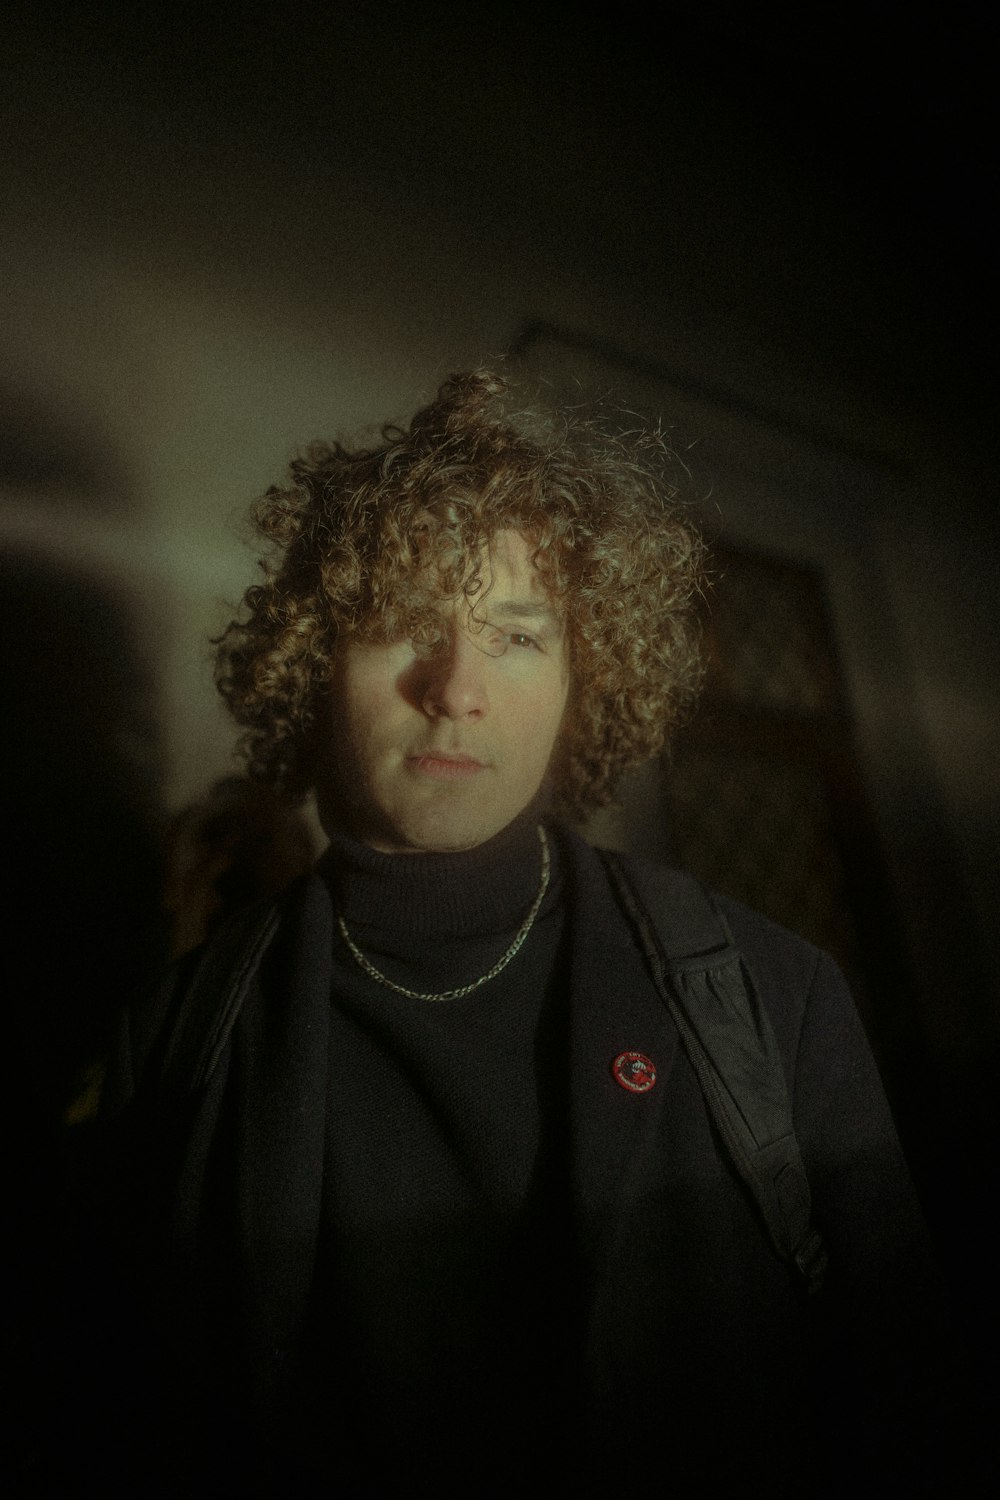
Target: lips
(445, 767)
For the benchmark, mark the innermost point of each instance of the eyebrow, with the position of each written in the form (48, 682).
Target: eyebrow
(523, 612)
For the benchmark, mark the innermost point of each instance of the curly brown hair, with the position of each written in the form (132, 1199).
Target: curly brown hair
(354, 528)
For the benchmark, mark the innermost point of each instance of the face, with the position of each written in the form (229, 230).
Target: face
(439, 753)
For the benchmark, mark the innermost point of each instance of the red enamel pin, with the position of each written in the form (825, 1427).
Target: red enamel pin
(634, 1071)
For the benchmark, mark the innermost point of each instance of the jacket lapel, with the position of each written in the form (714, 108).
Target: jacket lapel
(279, 1068)
(614, 1132)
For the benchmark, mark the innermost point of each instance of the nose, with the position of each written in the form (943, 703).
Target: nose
(454, 686)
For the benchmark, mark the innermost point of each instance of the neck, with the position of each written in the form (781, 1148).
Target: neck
(420, 896)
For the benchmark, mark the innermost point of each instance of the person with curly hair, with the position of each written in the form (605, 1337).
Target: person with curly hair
(374, 542)
(450, 1190)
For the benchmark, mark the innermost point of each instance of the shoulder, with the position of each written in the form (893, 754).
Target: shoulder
(197, 997)
(766, 943)
(791, 975)
(755, 935)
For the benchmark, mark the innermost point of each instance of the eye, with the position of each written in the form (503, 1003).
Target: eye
(496, 641)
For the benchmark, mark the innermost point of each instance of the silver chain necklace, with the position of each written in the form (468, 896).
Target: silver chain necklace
(465, 989)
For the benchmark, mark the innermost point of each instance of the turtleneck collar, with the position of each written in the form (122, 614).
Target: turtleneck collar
(466, 895)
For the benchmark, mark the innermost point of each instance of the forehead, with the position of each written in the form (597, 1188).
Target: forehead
(496, 578)
(508, 562)
(502, 566)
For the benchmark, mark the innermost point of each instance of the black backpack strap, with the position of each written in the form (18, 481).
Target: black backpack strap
(215, 996)
(704, 982)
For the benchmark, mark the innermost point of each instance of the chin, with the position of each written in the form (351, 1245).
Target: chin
(442, 840)
(436, 834)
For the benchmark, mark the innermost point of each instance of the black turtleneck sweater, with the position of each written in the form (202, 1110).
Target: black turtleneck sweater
(445, 1224)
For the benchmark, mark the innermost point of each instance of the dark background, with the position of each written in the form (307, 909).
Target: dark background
(231, 230)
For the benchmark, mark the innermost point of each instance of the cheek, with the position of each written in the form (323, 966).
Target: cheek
(367, 701)
(546, 718)
(361, 712)
(562, 728)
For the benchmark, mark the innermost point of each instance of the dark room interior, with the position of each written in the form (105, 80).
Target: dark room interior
(231, 231)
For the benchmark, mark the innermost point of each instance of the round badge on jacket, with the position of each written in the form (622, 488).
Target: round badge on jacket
(634, 1071)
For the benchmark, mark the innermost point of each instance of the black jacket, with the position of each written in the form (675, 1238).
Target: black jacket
(686, 1344)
